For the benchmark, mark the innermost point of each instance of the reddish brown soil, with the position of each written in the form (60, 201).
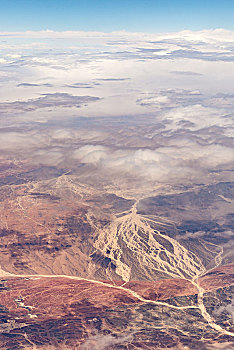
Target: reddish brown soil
(48, 311)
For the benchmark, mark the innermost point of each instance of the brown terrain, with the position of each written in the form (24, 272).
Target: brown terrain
(60, 312)
(82, 268)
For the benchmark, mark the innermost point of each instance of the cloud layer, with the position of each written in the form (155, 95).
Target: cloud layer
(163, 106)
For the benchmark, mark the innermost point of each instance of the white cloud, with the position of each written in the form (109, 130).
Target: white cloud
(91, 154)
(206, 156)
(199, 115)
(102, 342)
(10, 55)
(163, 164)
(61, 134)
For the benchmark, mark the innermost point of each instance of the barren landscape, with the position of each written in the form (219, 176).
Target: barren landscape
(116, 206)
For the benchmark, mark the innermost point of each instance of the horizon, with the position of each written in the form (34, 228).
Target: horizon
(120, 31)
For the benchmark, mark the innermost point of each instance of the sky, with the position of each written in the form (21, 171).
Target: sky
(106, 15)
